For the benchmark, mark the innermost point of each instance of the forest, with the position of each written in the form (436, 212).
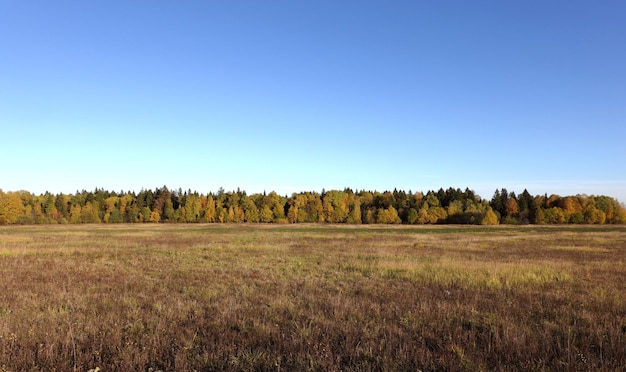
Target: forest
(451, 206)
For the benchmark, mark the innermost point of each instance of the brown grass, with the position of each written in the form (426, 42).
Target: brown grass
(312, 297)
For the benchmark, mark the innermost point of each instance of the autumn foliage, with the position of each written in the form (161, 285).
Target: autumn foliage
(451, 206)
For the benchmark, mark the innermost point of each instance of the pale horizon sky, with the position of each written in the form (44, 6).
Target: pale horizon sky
(305, 95)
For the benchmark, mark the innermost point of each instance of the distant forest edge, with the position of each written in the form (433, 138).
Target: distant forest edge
(451, 206)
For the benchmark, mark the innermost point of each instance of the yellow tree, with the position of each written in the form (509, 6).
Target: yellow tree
(437, 214)
(125, 201)
(554, 215)
(240, 214)
(490, 218)
(75, 214)
(230, 217)
(355, 210)
(222, 215)
(209, 209)
(455, 210)
(277, 206)
(89, 213)
(292, 213)
(594, 216)
(369, 216)
(193, 208)
(422, 215)
(540, 217)
(392, 213)
(250, 210)
(11, 207)
(109, 203)
(570, 205)
(155, 216)
(313, 208)
(266, 214)
(329, 211)
(382, 216)
(109, 206)
(336, 206)
(573, 209)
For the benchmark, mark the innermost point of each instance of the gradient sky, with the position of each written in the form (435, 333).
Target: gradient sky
(299, 95)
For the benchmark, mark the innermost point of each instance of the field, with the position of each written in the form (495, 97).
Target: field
(312, 297)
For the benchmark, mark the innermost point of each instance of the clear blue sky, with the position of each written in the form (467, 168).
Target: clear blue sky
(298, 95)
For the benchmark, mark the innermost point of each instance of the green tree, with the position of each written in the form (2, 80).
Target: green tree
(412, 217)
(613, 211)
(160, 197)
(62, 203)
(144, 214)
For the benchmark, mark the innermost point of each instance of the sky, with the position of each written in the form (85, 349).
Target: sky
(303, 95)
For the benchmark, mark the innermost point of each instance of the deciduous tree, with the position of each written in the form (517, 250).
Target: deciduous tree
(490, 217)
(11, 207)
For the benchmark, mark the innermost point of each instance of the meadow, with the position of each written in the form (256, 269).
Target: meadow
(165, 297)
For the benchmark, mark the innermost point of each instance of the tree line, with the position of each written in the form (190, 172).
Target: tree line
(451, 206)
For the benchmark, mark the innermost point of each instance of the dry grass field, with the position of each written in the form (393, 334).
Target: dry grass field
(312, 297)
